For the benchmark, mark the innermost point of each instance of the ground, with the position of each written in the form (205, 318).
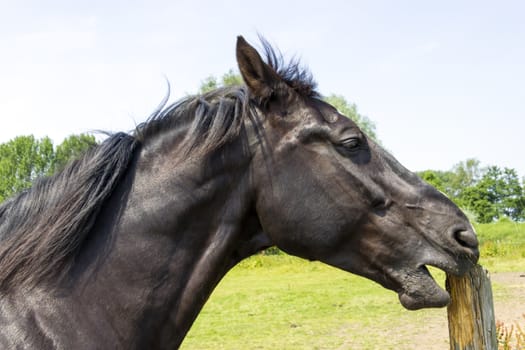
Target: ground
(432, 332)
(281, 302)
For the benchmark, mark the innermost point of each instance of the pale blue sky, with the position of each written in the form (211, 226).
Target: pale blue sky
(443, 81)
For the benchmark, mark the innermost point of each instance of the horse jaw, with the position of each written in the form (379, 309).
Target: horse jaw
(419, 290)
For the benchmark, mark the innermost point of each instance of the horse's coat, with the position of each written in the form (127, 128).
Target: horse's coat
(122, 249)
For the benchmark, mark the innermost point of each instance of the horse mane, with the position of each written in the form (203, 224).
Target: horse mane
(43, 228)
(210, 120)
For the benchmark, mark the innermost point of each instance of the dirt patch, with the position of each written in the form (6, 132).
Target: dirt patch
(509, 296)
(430, 330)
(509, 307)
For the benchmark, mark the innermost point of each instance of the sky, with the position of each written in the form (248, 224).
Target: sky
(443, 81)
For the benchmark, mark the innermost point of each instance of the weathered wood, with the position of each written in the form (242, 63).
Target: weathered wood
(471, 320)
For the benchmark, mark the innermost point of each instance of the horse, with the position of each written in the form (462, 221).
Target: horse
(122, 248)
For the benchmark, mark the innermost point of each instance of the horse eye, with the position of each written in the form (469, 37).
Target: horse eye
(352, 143)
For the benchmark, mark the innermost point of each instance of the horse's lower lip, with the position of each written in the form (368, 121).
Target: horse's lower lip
(420, 290)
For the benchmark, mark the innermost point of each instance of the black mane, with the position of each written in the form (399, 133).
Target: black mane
(211, 119)
(43, 228)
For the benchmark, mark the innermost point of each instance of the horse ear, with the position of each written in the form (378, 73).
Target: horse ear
(260, 78)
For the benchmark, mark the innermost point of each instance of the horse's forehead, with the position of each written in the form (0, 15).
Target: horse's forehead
(322, 113)
(327, 111)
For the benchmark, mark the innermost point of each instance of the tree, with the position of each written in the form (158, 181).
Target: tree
(228, 79)
(231, 78)
(477, 199)
(489, 193)
(71, 148)
(497, 194)
(463, 175)
(506, 191)
(24, 158)
(436, 178)
(21, 161)
(338, 101)
(208, 84)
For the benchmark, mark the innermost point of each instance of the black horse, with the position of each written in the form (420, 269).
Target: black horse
(122, 248)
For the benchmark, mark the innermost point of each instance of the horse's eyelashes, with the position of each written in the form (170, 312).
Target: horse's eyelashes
(352, 143)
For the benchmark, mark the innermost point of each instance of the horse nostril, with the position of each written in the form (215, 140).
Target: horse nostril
(466, 238)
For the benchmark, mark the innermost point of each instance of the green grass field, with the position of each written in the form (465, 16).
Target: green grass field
(502, 245)
(282, 302)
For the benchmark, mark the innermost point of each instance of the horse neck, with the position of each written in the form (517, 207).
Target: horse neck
(180, 229)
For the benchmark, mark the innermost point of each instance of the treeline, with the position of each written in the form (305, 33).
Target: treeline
(486, 193)
(25, 158)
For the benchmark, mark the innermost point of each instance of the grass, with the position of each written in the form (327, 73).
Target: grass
(282, 302)
(502, 245)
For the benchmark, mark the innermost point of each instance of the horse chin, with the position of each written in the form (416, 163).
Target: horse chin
(419, 290)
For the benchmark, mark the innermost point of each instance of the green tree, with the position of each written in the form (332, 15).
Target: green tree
(231, 78)
(71, 148)
(228, 79)
(477, 200)
(208, 84)
(508, 192)
(497, 194)
(24, 158)
(21, 161)
(436, 178)
(488, 193)
(453, 182)
(463, 175)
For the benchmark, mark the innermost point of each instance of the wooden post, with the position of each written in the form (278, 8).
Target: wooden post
(471, 322)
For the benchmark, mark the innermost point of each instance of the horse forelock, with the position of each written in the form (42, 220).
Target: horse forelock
(297, 77)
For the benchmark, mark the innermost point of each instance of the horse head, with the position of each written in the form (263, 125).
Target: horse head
(325, 191)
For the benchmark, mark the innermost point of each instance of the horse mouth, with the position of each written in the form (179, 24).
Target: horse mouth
(419, 290)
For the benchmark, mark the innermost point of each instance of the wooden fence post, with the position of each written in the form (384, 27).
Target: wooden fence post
(471, 321)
